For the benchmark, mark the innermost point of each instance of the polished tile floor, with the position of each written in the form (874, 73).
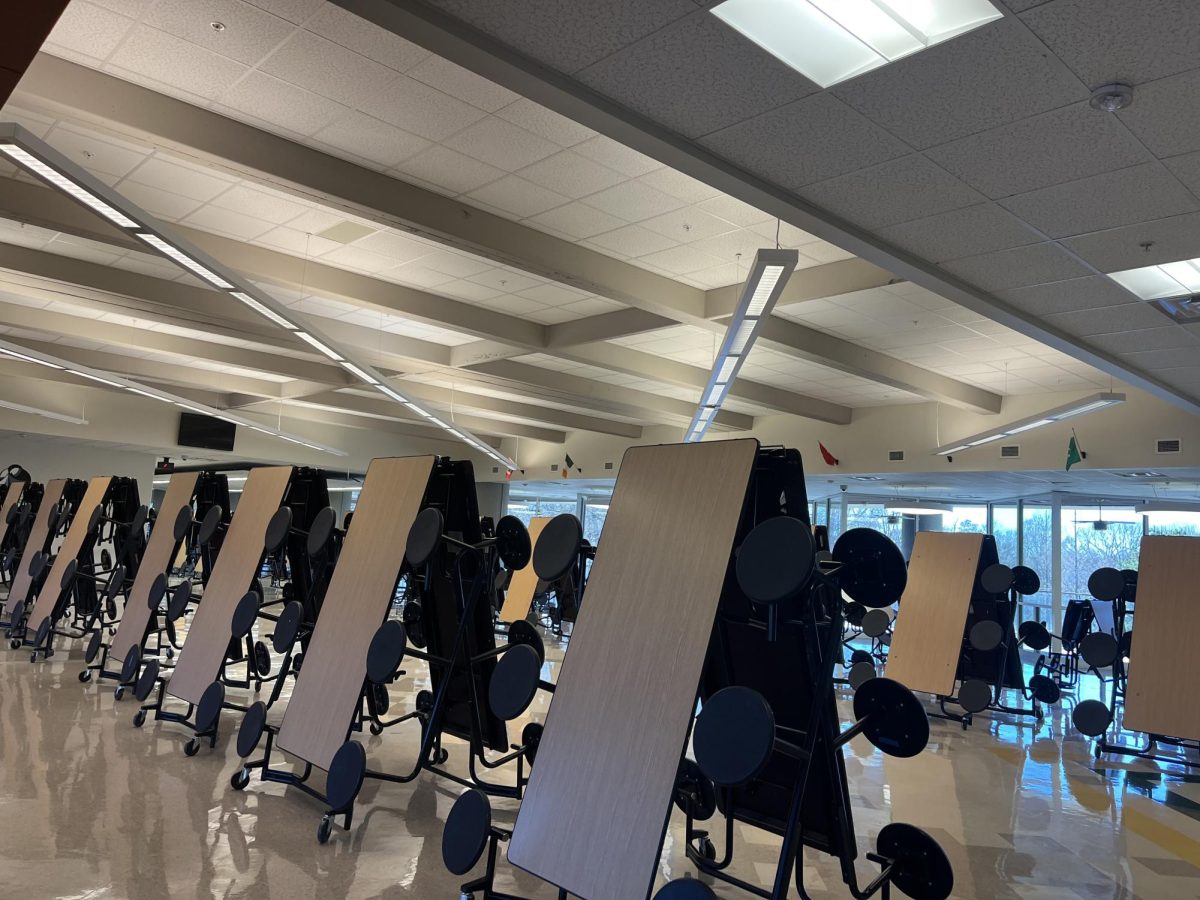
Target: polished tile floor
(91, 807)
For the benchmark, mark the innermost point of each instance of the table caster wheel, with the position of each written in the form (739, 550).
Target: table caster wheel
(139, 719)
(240, 779)
(14, 644)
(85, 676)
(324, 829)
(192, 747)
(707, 849)
(119, 692)
(170, 653)
(33, 656)
(376, 728)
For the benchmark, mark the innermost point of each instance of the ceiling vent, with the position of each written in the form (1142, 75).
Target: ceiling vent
(1010, 451)
(345, 232)
(608, 466)
(895, 456)
(1183, 310)
(553, 467)
(1167, 445)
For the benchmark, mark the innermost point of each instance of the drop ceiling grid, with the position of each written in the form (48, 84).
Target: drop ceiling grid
(993, 126)
(477, 141)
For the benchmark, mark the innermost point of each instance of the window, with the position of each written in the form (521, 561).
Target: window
(1036, 553)
(875, 516)
(1004, 529)
(1182, 523)
(1093, 537)
(971, 519)
(594, 514)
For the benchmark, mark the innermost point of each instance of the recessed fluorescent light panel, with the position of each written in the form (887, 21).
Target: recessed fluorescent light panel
(760, 293)
(38, 157)
(1058, 414)
(1158, 282)
(829, 41)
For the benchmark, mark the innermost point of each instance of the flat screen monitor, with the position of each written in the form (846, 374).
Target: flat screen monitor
(196, 430)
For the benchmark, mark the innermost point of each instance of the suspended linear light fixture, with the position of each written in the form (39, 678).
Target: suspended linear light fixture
(15, 351)
(43, 161)
(1079, 407)
(768, 276)
(918, 508)
(44, 413)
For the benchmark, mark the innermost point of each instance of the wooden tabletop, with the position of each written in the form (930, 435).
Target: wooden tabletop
(927, 640)
(35, 542)
(11, 499)
(523, 584)
(156, 560)
(1159, 698)
(71, 547)
(596, 809)
(325, 697)
(237, 564)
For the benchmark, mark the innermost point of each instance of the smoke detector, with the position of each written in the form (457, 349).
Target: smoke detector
(1112, 97)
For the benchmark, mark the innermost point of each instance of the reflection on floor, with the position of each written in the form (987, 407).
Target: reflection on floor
(91, 807)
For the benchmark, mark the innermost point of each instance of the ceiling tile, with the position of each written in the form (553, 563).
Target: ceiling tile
(577, 220)
(1169, 240)
(88, 29)
(514, 305)
(1040, 151)
(517, 197)
(545, 123)
(462, 83)
(356, 257)
(616, 156)
(680, 260)
(261, 203)
(633, 202)
(734, 211)
(421, 110)
(725, 247)
(673, 182)
(227, 223)
(1164, 114)
(1157, 37)
(1035, 264)
(171, 60)
(688, 224)
(1162, 337)
(908, 188)
(1187, 169)
(1107, 320)
(696, 76)
(809, 140)
(396, 247)
(1162, 359)
(328, 69)
(571, 175)
(249, 32)
(417, 274)
(296, 242)
(449, 170)
(1068, 296)
(281, 104)
(996, 74)
(188, 179)
(357, 34)
(567, 36)
(501, 144)
(162, 204)
(369, 139)
(469, 290)
(107, 156)
(503, 279)
(1137, 194)
(632, 240)
(134, 9)
(983, 228)
(460, 265)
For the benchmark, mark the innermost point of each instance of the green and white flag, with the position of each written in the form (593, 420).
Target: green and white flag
(1073, 454)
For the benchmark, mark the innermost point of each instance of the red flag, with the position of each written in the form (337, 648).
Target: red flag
(508, 474)
(830, 459)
